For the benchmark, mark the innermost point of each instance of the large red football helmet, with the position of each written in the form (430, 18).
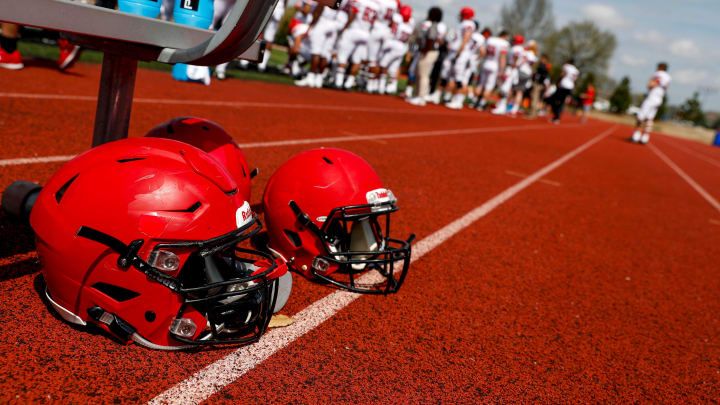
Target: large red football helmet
(406, 13)
(140, 237)
(328, 214)
(466, 13)
(211, 138)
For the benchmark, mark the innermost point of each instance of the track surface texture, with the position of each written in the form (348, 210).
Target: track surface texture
(594, 281)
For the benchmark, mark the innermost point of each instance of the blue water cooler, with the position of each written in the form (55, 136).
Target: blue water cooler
(146, 8)
(196, 13)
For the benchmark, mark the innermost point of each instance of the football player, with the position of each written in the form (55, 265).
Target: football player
(657, 86)
(495, 54)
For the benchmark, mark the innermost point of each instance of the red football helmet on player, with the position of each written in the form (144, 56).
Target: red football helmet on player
(406, 13)
(211, 138)
(518, 39)
(467, 13)
(140, 237)
(328, 214)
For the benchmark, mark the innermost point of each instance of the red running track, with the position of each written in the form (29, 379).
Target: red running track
(597, 283)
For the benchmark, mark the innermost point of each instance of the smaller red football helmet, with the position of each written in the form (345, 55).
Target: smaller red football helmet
(518, 39)
(213, 139)
(399, 4)
(406, 13)
(467, 13)
(328, 214)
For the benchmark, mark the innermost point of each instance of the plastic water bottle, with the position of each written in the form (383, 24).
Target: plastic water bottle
(199, 14)
(146, 8)
(196, 13)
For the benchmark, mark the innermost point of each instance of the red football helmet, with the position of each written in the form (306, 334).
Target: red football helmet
(467, 13)
(140, 237)
(518, 39)
(406, 13)
(211, 138)
(328, 214)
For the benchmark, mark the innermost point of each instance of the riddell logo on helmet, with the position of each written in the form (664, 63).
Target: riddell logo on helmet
(377, 196)
(244, 215)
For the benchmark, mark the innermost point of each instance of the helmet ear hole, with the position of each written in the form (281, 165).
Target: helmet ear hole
(115, 292)
(293, 238)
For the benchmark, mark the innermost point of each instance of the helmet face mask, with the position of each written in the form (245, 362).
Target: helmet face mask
(357, 240)
(332, 222)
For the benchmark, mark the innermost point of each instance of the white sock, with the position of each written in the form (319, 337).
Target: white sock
(383, 84)
(350, 82)
(266, 58)
(458, 99)
(339, 78)
(636, 136)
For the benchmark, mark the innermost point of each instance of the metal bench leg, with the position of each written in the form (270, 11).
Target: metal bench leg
(117, 83)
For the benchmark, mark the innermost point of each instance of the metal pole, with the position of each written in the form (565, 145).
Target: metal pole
(117, 83)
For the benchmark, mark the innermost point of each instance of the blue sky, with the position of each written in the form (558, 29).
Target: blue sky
(684, 33)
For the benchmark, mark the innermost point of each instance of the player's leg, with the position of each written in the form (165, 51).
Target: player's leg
(9, 56)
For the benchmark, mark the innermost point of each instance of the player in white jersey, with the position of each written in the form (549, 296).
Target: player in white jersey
(395, 49)
(298, 31)
(354, 40)
(465, 64)
(565, 85)
(524, 72)
(657, 87)
(510, 75)
(495, 54)
(270, 31)
(321, 38)
(378, 36)
(457, 54)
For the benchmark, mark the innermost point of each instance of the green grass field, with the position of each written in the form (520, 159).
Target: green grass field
(42, 51)
(278, 58)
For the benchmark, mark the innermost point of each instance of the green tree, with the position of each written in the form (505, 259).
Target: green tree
(590, 46)
(621, 98)
(533, 19)
(691, 110)
(662, 110)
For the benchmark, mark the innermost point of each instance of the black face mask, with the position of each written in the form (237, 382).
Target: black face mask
(219, 280)
(354, 242)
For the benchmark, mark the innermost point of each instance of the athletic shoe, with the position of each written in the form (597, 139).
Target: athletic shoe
(636, 136)
(305, 82)
(454, 106)
(408, 92)
(69, 54)
(498, 111)
(416, 101)
(645, 139)
(434, 97)
(10, 60)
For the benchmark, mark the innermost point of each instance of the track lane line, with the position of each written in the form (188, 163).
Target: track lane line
(290, 142)
(245, 104)
(214, 377)
(685, 177)
(692, 153)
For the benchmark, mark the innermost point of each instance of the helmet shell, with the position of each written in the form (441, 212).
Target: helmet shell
(213, 139)
(318, 180)
(157, 190)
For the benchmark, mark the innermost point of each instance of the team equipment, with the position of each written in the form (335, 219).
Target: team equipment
(328, 216)
(518, 39)
(467, 13)
(211, 138)
(406, 13)
(140, 237)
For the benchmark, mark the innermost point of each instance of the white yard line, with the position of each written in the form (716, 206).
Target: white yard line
(685, 177)
(247, 104)
(290, 142)
(213, 378)
(692, 153)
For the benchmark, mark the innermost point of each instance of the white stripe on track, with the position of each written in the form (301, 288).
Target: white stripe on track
(685, 177)
(27, 161)
(245, 104)
(692, 153)
(290, 142)
(211, 379)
